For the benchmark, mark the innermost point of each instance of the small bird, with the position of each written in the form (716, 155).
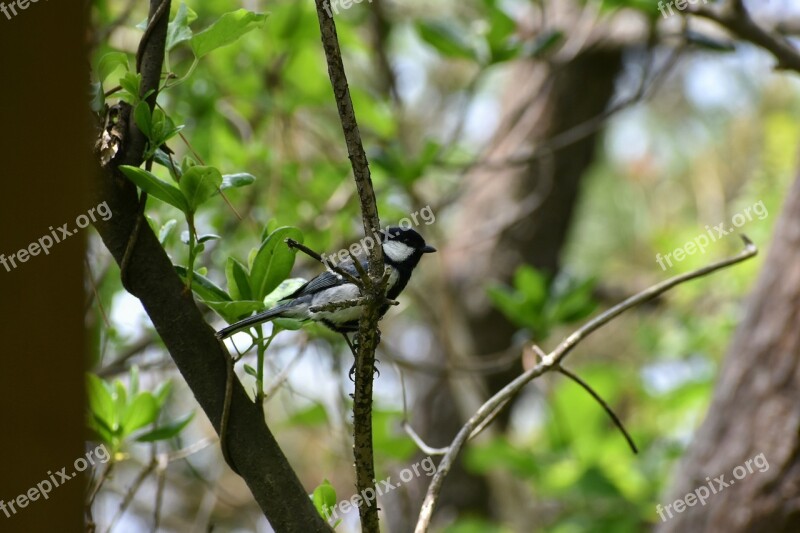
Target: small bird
(402, 250)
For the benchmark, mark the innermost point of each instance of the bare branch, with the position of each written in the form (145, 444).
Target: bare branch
(550, 362)
(291, 243)
(605, 406)
(734, 17)
(368, 333)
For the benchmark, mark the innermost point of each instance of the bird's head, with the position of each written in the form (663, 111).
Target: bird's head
(404, 246)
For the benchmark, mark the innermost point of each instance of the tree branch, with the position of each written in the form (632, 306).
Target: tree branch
(734, 17)
(550, 362)
(199, 356)
(368, 333)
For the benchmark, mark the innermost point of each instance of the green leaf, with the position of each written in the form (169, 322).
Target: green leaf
(233, 311)
(532, 283)
(447, 38)
(205, 237)
(575, 304)
(162, 393)
(198, 184)
(161, 157)
(226, 30)
(186, 163)
(133, 380)
(143, 118)
(166, 229)
(290, 324)
(250, 370)
(101, 403)
(178, 30)
(238, 280)
(324, 498)
(240, 179)
(120, 400)
(155, 187)
(142, 411)
(287, 287)
(130, 83)
(274, 261)
(167, 431)
(109, 63)
(204, 287)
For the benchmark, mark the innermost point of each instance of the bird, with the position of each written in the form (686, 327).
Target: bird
(402, 250)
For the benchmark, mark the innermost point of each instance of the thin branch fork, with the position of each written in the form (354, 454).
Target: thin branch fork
(552, 361)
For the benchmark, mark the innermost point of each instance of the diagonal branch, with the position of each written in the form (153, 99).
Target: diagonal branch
(199, 356)
(552, 361)
(734, 17)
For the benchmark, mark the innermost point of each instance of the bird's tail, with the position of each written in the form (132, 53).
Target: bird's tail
(264, 316)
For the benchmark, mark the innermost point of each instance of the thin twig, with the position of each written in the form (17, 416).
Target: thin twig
(161, 476)
(132, 490)
(407, 425)
(226, 412)
(550, 362)
(606, 407)
(284, 374)
(291, 243)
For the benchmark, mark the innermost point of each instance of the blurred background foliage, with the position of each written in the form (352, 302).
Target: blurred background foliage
(718, 134)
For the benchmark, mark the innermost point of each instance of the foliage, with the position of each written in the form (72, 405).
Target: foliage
(118, 413)
(246, 151)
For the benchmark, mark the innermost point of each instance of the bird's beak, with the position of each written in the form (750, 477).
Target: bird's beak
(428, 249)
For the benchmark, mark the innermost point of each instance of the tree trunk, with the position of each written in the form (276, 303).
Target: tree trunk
(755, 411)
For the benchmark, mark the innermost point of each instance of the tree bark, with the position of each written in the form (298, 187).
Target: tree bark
(755, 408)
(201, 358)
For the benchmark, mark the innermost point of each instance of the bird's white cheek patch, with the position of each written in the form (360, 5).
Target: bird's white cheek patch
(397, 251)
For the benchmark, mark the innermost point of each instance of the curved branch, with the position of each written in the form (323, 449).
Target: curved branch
(552, 361)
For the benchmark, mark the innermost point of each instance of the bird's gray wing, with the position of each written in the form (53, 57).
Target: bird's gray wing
(326, 280)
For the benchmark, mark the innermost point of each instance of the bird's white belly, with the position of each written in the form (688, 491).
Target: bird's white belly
(337, 294)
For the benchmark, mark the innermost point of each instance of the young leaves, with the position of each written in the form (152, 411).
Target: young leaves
(198, 184)
(117, 413)
(226, 30)
(273, 262)
(149, 183)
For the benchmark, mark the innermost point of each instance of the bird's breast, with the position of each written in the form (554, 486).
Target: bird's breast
(341, 293)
